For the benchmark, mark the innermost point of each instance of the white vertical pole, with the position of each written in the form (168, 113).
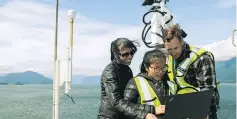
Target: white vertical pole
(67, 86)
(54, 107)
(69, 81)
(57, 90)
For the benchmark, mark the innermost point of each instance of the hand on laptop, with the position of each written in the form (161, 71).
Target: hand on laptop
(160, 109)
(150, 116)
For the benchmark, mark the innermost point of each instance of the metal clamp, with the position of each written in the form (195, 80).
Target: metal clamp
(233, 38)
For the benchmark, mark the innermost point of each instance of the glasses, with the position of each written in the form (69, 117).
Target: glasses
(164, 68)
(126, 54)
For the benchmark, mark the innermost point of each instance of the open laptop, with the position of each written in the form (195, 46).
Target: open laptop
(188, 106)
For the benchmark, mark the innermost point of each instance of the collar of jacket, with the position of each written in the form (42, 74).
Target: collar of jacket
(119, 65)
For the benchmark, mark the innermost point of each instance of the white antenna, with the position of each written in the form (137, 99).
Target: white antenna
(67, 75)
(71, 14)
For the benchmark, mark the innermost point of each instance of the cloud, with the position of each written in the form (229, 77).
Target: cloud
(226, 3)
(27, 40)
(222, 50)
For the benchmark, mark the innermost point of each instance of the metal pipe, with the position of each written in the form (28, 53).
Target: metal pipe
(57, 91)
(68, 82)
(55, 108)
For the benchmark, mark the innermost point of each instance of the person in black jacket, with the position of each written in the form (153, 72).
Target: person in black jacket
(114, 80)
(152, 77)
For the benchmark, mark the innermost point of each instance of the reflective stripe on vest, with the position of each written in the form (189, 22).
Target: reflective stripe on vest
(171, 68)
(172, 87)
(182, 69)
(171, 83)
(146, 93)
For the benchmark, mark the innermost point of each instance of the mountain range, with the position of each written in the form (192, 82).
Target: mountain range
(225, 73)
(28, 77)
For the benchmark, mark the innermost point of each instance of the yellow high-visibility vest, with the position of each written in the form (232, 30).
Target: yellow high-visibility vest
(147, 94)
(182, 69)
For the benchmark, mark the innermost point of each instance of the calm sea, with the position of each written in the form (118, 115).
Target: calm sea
(35, 102)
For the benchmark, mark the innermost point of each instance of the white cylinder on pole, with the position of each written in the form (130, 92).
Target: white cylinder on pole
(166, 17)
(71, 13)
(156, 20)
(69, 81)
(67, 71)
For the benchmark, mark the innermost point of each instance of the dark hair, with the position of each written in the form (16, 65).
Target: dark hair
(114, 50)
(150, 57)
(174, 31)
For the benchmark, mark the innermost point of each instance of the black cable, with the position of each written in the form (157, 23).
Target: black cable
(70, 98)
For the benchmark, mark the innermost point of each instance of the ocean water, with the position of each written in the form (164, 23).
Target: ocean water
(35, 102)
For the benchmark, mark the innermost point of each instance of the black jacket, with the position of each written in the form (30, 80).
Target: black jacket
(113, 82)
(131, 93)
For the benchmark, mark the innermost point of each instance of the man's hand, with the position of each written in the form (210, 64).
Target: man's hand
(160, 109)
(150, 116)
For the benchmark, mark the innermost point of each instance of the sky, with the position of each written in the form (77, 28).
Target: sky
(27, 31)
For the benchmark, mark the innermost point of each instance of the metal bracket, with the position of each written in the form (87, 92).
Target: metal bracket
(233, 38)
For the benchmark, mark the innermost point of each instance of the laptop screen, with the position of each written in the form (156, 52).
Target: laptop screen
(188, 106)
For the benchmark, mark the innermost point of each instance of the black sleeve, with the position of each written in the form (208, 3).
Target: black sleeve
(131, 95)
(124, 106)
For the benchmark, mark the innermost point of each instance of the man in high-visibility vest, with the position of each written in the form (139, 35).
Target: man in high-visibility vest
(191, 68)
